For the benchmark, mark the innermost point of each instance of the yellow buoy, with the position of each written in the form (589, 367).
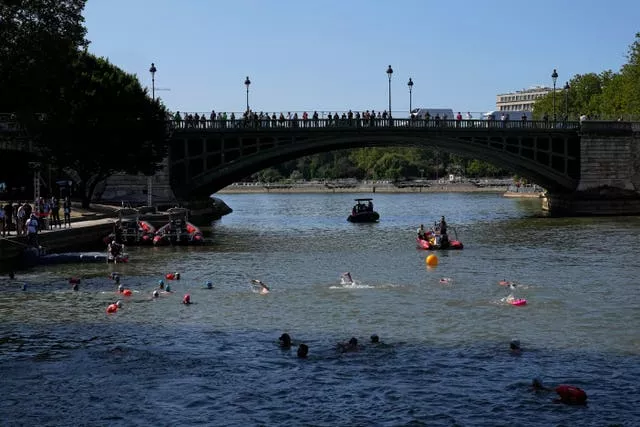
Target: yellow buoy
(431, 260)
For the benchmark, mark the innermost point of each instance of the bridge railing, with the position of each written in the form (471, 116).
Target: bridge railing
(369, 123)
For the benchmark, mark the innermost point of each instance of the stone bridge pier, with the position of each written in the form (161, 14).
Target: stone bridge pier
(609, 181)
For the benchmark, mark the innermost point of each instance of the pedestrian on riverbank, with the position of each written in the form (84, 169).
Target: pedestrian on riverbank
(2, 221)
(32, 230)
(8, 215)
(67, 212)
(55, 213)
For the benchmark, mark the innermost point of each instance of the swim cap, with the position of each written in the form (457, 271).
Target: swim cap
(160, 282)
(155, 294)
(209, 284)
(168, 288)
(374, 338)
(121, 288)
(119, 303)
(515, 344)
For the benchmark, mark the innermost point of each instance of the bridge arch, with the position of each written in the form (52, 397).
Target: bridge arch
(548, 158)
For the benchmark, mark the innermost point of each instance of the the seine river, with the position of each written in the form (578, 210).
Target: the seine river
(445, 358)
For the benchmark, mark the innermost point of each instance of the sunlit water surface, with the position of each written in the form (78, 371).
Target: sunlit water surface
(445, 358)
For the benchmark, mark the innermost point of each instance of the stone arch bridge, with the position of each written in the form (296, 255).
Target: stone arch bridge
(587, 168)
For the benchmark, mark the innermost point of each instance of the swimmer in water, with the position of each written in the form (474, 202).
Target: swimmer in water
(156, 294)
(285, 341)
(167, 289)
(74, 287)
(351, 345)
(303, 351)
(509, 298)
(208, 285)
(346, 278)
(186, 299)
(514, 346)
(120, 289)
(161, 284)
(264, 289)
(119, 304)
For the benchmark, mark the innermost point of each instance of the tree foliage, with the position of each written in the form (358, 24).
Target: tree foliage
(38, 40)
(391, 164)
(89, 116)
(104, 122)
(608, 95)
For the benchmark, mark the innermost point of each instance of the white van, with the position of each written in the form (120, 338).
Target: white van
(513, 115)
(420, 113)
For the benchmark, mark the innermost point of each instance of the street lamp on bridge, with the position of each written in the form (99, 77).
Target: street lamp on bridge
(153, 70)
(389, 73)
(410, 84)
(554, 77)
(566, 100)
(247, 83)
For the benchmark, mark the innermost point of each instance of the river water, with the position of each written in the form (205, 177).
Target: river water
(445, 357)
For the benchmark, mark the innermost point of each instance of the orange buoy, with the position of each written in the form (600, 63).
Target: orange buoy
(127, 292)
(431, 260)
(112, 308)
(571, 395)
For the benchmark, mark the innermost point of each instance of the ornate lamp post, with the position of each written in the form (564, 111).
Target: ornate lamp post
(247, 83)
(389, 73)
(554, 77)
(153, 70)
(566, 100)
(410, 84)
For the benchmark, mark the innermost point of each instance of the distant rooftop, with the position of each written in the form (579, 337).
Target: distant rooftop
(538, 88)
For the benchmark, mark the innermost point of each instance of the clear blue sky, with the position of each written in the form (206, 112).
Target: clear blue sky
(333, 54)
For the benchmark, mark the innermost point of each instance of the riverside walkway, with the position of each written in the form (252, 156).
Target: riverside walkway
(88, 230)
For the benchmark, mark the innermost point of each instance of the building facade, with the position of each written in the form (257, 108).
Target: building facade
(521, 100)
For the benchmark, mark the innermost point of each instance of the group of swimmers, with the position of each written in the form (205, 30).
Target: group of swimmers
(343, 347)
(568, 394)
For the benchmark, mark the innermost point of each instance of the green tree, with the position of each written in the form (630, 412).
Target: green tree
(584, 89)
(104, 122)
(607, 95)
(39, 39)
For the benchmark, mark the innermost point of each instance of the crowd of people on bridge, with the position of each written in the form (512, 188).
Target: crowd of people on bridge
(368, 118)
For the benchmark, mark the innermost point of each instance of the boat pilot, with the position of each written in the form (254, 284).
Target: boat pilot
(443, 226)
(421, 234)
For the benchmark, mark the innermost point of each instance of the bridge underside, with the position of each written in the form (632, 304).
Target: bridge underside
(203, 161)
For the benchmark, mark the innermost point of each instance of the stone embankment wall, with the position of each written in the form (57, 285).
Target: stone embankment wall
(126, 188)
